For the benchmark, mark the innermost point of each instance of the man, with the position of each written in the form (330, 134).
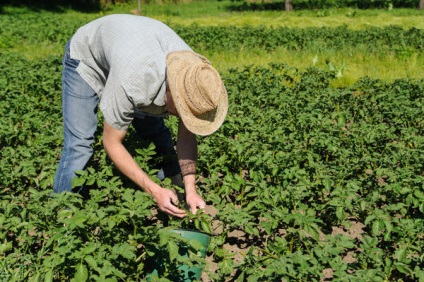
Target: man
(138, 70)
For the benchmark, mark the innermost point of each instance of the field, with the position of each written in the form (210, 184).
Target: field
(316, 175)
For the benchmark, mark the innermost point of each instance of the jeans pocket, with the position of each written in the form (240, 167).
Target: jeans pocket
(67, 61)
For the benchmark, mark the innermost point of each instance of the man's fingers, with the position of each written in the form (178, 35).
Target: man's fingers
(171, 207)
(201, 206)
(174, 199)
(174, 211)
(193, 210)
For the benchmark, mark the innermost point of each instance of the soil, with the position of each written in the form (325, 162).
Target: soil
(235, 245)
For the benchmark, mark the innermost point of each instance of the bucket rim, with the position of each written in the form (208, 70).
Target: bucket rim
(192, 230)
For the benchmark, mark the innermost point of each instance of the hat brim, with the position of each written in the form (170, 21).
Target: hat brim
(207, 123)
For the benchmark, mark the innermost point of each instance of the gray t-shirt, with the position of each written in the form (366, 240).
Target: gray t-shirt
(123, 58)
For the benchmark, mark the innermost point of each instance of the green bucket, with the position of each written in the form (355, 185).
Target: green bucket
(182, 272)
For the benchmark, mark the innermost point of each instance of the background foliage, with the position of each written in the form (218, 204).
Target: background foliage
(93, 5)
(295, 166)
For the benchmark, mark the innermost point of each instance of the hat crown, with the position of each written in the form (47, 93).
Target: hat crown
(200, 83)
(197, 90)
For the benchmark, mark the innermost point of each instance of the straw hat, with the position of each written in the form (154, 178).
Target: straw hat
(197, 90)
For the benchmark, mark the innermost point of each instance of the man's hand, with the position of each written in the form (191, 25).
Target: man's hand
(195, 202)
(167, 202)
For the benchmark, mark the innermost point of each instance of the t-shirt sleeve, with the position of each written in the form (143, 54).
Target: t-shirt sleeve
(139, 88)
(117, 109)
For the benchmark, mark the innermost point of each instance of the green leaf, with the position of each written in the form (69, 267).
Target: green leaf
(388, 265)
(49, 276)
(419, 194)
(77, 220)
(125, 250)
(77, 182)
(90, 180)
(420, 274)
(34, 278)
(369, 219)
(89, 249)
(340, 213)
(377, 227)
(226, 266)
(403, 268)
(206, 227)
(347, 243)
(172, 249)
(5, 247)
(251, 230)
(91, 261)
(81, 273)
(401, 253)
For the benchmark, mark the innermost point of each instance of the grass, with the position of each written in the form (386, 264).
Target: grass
(351, 67)
(219, 13)
(353, 63)
(293, 20)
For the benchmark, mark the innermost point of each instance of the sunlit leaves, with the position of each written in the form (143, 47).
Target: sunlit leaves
(295, 165)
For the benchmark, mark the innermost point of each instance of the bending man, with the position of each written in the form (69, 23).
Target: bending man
(138, 70)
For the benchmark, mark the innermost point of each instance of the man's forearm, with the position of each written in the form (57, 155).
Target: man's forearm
(187, 156)
(125, 162)
(187, 167)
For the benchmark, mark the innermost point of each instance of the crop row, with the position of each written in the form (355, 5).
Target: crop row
(322, 38)
(295, 161)
(32, 29)
(361, 4)
(301, 159)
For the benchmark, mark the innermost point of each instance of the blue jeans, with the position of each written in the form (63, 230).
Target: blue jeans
(79, 106)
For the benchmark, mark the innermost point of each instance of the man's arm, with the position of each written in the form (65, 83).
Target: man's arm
(112, 142)
(187, 156)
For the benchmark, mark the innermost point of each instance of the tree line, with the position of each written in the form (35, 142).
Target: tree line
(287, 5)
(360, 4)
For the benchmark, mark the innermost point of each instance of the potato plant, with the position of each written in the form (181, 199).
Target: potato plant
(296, 167)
